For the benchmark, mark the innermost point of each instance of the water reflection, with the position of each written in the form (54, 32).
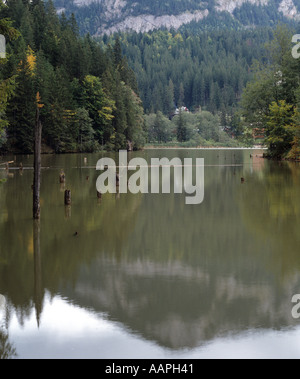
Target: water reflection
(179, 276)
(270, 206)
(7, 350)
(38, 289)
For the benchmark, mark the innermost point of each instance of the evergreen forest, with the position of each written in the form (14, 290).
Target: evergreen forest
(87, 96)
(194, 86)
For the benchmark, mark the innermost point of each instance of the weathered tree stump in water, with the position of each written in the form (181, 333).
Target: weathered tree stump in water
(67, 197)
(62, 177)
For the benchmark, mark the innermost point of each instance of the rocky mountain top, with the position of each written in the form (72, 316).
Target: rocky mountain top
(109, 16)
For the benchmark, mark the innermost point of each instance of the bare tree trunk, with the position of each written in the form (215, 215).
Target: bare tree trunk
(37, 166)
(67, 197)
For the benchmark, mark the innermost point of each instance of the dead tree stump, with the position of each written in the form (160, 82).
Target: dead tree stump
(67, 197)
(62, 177)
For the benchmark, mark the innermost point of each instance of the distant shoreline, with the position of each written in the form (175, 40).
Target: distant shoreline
(150, 147)
(203, 148)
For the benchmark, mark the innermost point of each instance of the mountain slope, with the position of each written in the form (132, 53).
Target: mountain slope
(100, 17)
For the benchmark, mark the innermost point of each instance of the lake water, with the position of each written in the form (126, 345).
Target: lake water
(145, 275)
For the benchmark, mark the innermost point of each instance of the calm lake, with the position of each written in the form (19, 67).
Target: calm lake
(145, 275)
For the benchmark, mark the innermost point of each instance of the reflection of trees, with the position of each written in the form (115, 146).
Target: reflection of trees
(188, 274)
(176, 274)
(270, 206)
(102, 227)
(38, 289)
(7, 350)
(49, 255)
(179, 306)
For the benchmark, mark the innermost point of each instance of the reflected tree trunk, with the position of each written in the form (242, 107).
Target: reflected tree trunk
(38, 289)
(37, 166)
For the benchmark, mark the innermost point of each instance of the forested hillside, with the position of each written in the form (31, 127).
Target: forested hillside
(111, 92)
(207, 69)
(87, 96)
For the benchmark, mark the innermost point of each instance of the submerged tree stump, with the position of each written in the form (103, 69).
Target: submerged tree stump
(62, 177)
(67, 197)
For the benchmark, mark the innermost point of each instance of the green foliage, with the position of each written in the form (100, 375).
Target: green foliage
(87, 95)
(294, 129)
(271, 99)
(7, 29)
(207, 69)
(279, 137)
(7, 88)
(135, 131)
(21, 108)
(7, 85)
(186, 129)
(208, 126)
(97, 105)
(159, 127)
(181, 126)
